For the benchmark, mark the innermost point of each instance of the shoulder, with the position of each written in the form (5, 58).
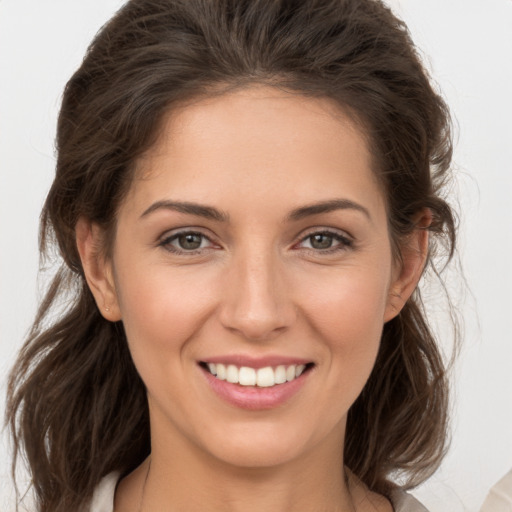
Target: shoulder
(103, 497)
(400, 500)
(404, 502)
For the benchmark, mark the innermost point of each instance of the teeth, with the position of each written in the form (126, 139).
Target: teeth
(247, 376)
(232, 374)
(221, 372)
(280, 375)
(263, 377)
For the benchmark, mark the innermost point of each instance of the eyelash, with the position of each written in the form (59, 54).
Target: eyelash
(167, 241)
(344, 242)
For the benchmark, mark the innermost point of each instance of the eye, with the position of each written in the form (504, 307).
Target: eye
(186, 242)
(326, 241)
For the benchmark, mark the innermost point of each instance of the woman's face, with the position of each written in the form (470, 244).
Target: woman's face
(255, 237)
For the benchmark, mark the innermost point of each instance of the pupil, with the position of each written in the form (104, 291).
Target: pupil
(190, 241)
(321, 241)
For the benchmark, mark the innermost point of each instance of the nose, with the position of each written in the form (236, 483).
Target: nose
(257, 302)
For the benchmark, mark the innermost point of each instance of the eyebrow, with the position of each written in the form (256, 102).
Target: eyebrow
(211, 213)
(326, 207)
(208, 212)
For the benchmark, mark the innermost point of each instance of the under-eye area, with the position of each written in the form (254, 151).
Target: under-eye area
(265, 377)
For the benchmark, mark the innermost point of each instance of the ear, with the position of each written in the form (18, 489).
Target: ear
(97, 269)
(414, 251)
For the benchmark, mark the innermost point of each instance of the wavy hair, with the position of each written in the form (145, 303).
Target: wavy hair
(77, 408)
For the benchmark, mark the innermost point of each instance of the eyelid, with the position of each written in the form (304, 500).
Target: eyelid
(326, 230)
(346, 240)
(167, 237)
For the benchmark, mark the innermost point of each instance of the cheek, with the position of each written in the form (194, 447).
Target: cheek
(161, 310)
(346, 312)
(349, 304)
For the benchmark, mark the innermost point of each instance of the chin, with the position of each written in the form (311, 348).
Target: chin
(260, 447)
(256, 456)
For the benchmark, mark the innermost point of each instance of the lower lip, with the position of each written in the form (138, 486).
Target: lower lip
(254, 397)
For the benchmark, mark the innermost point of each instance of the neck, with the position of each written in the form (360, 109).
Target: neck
(249, 489)
(185, 478)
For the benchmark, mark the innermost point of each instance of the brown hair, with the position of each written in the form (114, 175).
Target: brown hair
(69, 390)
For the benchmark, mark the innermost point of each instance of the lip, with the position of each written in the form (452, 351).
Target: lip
(255, 398)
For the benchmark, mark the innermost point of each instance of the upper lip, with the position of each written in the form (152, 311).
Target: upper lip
(240, 360)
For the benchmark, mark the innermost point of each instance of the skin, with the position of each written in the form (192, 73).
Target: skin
(257, 285)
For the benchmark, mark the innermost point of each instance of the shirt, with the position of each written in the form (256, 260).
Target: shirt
(499, 498)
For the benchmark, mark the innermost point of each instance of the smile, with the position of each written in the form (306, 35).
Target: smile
(256, 383)
(261, 377)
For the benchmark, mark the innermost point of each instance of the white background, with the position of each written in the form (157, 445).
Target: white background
(469, 49)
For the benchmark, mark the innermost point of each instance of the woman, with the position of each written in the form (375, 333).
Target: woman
(247, 194)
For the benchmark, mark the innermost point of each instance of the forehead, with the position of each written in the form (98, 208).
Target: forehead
(259, 139)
